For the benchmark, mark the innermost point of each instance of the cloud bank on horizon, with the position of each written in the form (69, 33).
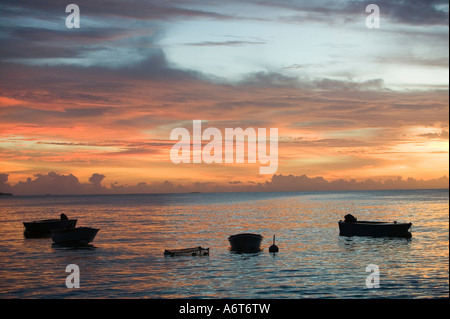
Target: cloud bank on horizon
(56, 184)
(350, 103)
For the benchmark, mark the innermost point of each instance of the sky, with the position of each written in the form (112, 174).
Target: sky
(91, 109)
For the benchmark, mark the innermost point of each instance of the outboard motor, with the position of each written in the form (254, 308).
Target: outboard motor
(349, 218)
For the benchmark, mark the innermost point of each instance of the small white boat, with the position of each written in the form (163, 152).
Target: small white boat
(74, 236)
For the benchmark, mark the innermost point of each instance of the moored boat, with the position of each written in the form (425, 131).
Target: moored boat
(245, 243)
(352, 227)
(43, 228)
(75, 236)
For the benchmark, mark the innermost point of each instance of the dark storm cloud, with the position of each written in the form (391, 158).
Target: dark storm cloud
(92, 83)
(20, 49)
(149, 10)
(20, 42)
(33, 30)
(81, 36)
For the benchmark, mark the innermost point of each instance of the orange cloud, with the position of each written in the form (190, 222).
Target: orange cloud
(118, 122)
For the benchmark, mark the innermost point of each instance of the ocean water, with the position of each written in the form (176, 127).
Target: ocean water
(127, 261)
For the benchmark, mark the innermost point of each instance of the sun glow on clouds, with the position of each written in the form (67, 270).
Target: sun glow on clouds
(349, 102)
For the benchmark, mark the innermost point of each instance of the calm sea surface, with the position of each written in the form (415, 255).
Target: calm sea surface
(127, 261)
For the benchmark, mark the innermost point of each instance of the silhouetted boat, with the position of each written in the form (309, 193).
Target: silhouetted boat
(43, 228)
(352, 227)
(245, 243)
(74, 236)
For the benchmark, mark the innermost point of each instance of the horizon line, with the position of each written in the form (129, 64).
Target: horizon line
(229, 192)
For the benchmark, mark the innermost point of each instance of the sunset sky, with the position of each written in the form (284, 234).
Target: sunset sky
(98, 103)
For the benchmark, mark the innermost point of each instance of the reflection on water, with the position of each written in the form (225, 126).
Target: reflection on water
(74, 247)
(126, 259)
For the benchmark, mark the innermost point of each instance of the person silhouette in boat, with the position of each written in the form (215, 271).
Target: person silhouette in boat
(64, 216)
(349, 218)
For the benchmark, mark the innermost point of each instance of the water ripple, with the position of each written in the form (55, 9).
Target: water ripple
(126, 260)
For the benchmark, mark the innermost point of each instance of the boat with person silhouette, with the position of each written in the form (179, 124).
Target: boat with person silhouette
(352, 227)
(43, 228)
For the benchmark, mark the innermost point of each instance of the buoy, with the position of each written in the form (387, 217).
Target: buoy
(273, 248)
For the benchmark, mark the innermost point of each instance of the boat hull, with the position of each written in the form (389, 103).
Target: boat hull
(245, 243)
(75, 236)
(375, 229)
(44, 228)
